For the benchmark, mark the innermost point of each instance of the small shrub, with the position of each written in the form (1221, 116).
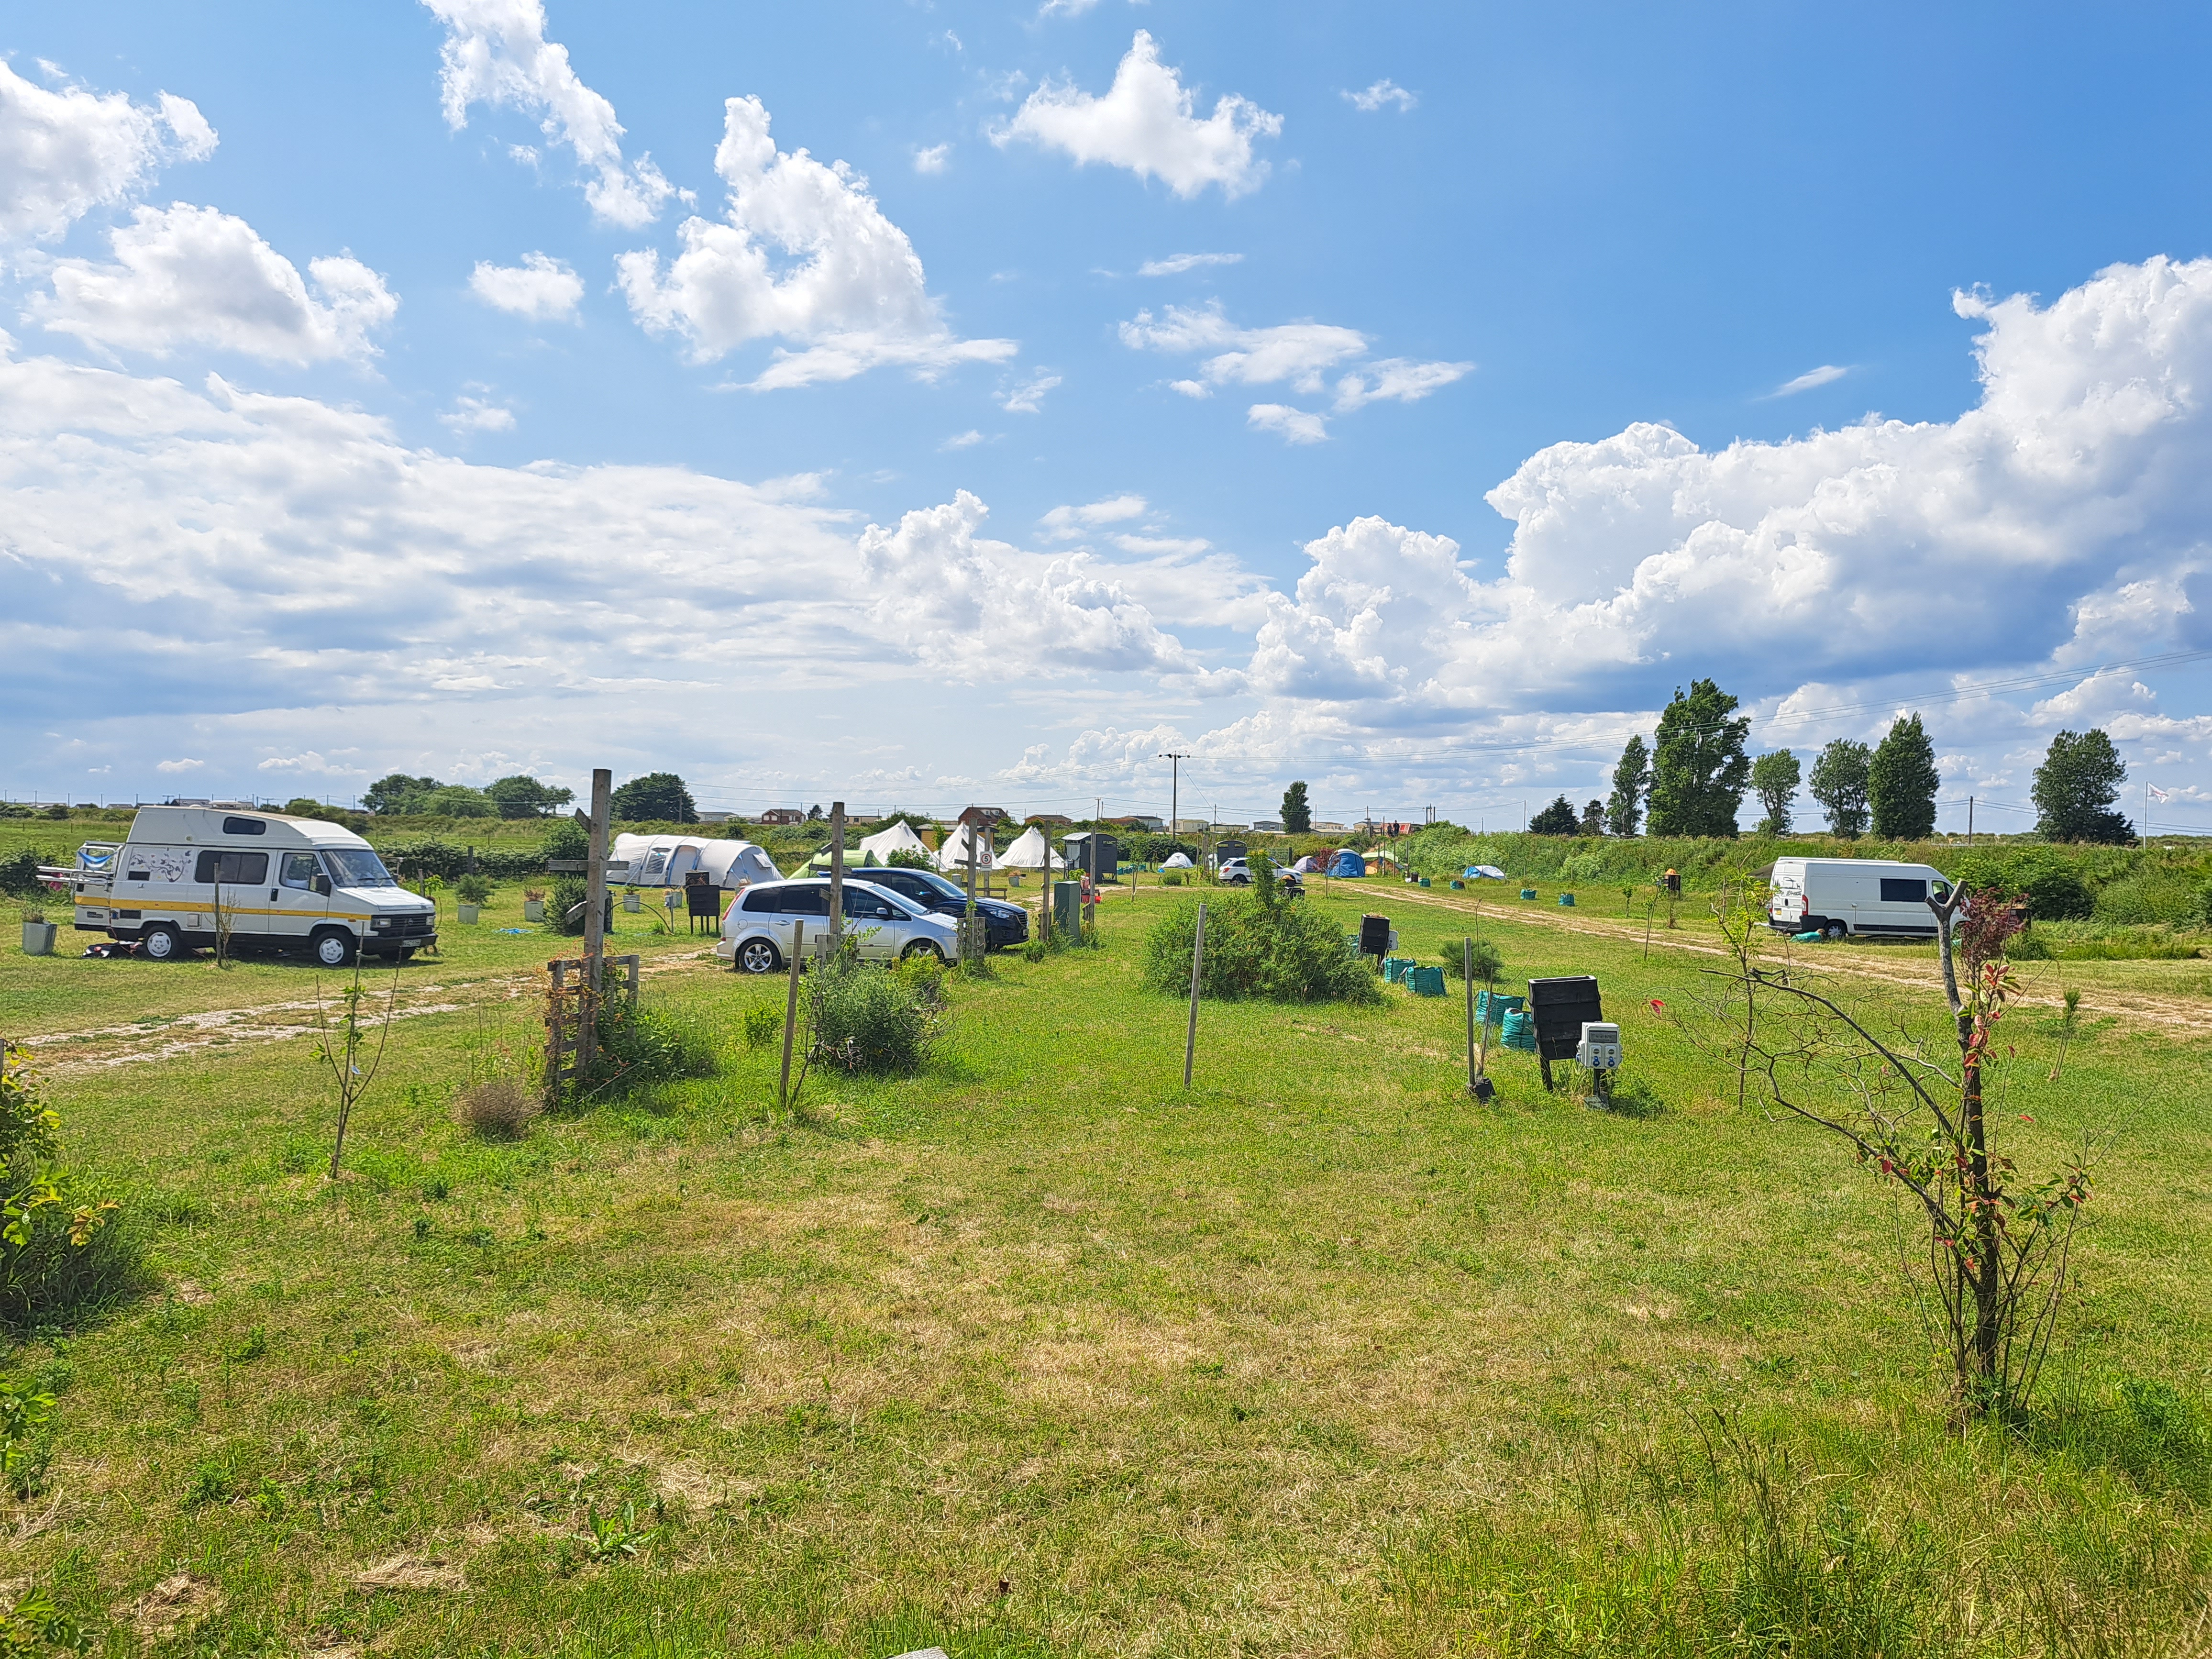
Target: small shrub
(2149, 897)
(473, 888)
(497, 1108)
(640, 1045)
(19, 872)
(924, 976)
(763, 1027)
(1489, 965)
(1170, 878)
(1257, 948)
(863, 1019)
(64, 1243)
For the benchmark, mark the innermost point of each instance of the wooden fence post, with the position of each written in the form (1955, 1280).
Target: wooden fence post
(836, 874)
(791, 1011)
(1197, 964)
(595, 922)
(1466, 973)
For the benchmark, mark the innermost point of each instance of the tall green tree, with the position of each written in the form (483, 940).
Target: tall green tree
(1631, 782)
(1298, 810)
(1594, 818)
(523, 797)
(391, 792)
(1557, 819)
(656, 798)
(2076, 787)
(1698, 770)
(1902, 781)
(1839, 784)
(1774, 780)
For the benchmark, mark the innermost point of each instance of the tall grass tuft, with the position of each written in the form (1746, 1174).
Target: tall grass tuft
(640, 1045)
(495, 1109)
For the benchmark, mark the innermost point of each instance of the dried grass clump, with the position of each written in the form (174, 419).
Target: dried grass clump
(498, 1109)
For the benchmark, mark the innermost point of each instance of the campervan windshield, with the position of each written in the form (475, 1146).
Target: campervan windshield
(356, 867)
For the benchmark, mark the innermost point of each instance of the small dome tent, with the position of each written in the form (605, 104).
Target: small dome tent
(664, 860)
(1178, 862)
(1308, 866)
(1347, 863)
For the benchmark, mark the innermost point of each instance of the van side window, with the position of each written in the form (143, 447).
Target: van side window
(243, 869)
(244, 827)
(299, 869)
(1901, 890)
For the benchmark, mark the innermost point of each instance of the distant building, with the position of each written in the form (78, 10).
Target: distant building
(782, 815)
(1141, 822)
(1331, 829)
(1048, 820)
(1193, 826)
(1266, 826)
(706, 817)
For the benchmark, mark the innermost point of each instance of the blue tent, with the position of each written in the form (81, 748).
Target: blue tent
(1348, 863)
(1484, 871)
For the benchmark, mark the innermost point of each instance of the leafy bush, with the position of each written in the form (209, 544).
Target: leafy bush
(907, 859)
(19, 872)
(861, 1018)
(640, 1045)
(2053, 884)
(473, 889)
(1257, 946)
(2148, 896)
(763, 1026)
(569, 893)
(62, 1243)
(1488, 964)
(497, 1107)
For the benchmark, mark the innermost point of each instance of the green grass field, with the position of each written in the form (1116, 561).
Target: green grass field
(1035, 1353)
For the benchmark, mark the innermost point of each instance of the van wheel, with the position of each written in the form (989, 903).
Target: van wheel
(757, 956)
(1835, 930)
(160, 944)
(333, 948)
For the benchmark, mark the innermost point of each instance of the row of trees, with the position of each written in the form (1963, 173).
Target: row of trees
(1691, 779)
(658, 796)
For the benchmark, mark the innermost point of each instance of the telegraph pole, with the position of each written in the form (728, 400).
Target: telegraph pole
(1174, 760)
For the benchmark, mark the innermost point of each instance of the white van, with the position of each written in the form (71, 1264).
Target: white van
(1853, 898)
(275, 882)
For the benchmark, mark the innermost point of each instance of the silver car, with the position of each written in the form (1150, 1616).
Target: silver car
(756, 933)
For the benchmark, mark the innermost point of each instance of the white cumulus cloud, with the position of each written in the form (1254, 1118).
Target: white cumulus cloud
(1811, 377)
(541, 289)
(1294, 426)
(1382, 93)
(1175, 264)
(1028, 397)
(806, 255)
(1066, 523)
(1147, 122)
(64, 153)
(497, 53)
(185, 276)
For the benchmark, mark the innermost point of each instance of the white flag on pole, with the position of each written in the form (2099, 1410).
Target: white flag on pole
(2157, 794)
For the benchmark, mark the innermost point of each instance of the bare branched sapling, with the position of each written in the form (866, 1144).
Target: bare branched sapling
(340, 1045)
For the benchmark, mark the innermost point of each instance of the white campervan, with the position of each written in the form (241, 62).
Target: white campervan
(1872, 898)
(272, 881)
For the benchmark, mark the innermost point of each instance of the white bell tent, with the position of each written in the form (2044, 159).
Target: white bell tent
(899, 838)
(1030, 851)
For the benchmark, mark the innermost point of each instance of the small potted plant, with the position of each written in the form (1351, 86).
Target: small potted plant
(630, 901)
(533, 904)
(37, 933)
(470, 891)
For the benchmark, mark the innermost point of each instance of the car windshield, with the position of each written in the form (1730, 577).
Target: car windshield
(356, 867)
(930, 879)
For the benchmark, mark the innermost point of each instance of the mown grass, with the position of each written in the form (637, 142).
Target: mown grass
(1034, 1353)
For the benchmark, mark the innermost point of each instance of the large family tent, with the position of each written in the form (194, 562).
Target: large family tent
(1347, 863)
(1029, 851)
(899, 838)
(664, 860)
(952, 856)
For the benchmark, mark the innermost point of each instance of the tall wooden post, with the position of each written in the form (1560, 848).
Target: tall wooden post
(791, 1011)
(1197, 965)
(595, 921)
(968, 954)
(1466, 973)
(836, 874)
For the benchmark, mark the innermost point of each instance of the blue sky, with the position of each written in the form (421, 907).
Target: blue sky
(627, 518)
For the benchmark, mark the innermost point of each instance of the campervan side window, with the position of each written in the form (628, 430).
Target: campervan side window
(1901, 890)
(299, 870)
(244, 827)
(243, 869)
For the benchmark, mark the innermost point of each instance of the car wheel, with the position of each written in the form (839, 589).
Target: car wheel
(1835, 930)
(757, 956)
(922, 947)
(404, 956)
(160, 944)
(332, 948)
